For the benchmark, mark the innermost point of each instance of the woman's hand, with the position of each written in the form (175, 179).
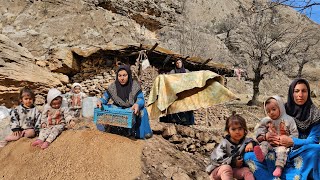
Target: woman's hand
(249, 147)
(135, 109)
(273, 138)
(99, 104)
(286, 141)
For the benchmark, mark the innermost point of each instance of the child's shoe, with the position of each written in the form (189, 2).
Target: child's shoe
(277, 172)
(259, 154)
(37, 142)
(45, 145)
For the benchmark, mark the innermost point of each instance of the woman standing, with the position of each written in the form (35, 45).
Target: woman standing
(179, 67)
(183, 118)
(303, 160)
(126, 93)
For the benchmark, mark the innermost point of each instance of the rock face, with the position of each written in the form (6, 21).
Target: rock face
(43, 26)
(18, 69)
(42, 46)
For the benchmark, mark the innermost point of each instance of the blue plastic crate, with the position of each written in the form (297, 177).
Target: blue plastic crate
(114, 116)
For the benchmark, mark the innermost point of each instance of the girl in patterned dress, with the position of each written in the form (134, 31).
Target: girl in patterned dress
(23, 117)
(54, 119)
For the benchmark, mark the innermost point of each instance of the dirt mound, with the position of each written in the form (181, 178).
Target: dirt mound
(75, 154)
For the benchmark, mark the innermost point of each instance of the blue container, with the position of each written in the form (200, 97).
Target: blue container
(114, 116)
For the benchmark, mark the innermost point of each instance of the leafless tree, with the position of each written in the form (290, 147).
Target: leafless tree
(301, 49)
(307, 54)
(265, 42)
(300, 5)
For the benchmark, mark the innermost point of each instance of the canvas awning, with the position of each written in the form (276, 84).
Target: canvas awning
(186, 91)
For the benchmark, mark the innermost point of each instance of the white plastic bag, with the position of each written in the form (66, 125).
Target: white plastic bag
(4, 112)
(143, 59)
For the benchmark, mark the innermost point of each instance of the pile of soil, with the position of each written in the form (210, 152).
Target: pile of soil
(75, 154)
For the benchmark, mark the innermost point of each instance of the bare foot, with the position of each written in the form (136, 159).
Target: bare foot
(45, 145)
(277, 172)
(37, 142)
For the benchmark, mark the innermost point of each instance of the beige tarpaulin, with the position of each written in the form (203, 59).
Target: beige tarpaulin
(186, 91)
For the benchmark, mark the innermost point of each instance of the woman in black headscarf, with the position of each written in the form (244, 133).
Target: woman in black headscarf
(126, 93)
(179, 67)
(183, 118)
(303, 159)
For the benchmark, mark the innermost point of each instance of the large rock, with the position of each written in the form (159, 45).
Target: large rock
(169, 131)
(18, 69)
(61, 60)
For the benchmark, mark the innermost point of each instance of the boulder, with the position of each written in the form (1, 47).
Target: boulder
(169, 131)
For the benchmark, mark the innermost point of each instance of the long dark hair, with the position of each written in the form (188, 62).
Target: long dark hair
(236, 119)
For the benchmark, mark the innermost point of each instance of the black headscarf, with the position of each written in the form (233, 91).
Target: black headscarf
(300, 112)
(179, 70)
(123, 91)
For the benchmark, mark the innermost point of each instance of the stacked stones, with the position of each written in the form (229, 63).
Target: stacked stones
(189, 139)
(211, 116)
(95, 77)
(147, 78)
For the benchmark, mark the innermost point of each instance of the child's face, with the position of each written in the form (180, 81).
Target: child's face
(27, 100)
(76, 90)
(273, 110)
(236, 132)
(56, 103)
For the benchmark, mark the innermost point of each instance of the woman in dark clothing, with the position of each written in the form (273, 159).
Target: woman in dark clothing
(303, 160)
(183, 118)
(179, 67)
(126, 93)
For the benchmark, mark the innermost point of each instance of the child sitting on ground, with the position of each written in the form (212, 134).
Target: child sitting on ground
(278, 122)
(23, 117)
(54, 119)
(75, 97)
(226, 158)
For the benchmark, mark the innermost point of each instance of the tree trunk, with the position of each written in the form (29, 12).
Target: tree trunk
(301, 68)
(256, 91)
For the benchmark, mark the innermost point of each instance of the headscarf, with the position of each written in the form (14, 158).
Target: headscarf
(283, 114)
(123, 91)
(299, 112)
(75, 85)
(179, 70)
(52, 94)
(306, 115)
(124, 95)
